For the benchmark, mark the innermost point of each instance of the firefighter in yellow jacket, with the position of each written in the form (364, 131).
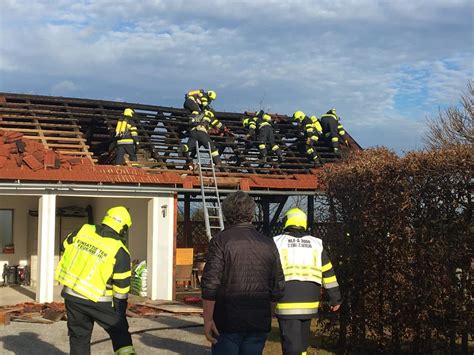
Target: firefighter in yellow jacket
(263, 124)
(202, 118)
(95, 272)
(310, 131)
(307, 267)
(127, 138)
(333, 129)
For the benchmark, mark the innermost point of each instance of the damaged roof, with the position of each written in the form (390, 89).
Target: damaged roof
(56, 139)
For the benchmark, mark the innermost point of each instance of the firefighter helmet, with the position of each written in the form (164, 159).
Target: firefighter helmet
(212, 95)
(118, 218)
(299, 115)
(128, 112)
(295, 218)
(331, 111)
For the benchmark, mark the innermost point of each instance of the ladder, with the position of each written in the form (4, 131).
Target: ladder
(210, 194)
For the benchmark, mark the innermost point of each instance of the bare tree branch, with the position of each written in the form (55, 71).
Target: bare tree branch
(453, 125)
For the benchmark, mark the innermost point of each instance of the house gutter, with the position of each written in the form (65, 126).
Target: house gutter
(21, 188)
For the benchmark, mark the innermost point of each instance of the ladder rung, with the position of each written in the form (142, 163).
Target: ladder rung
(213, 207)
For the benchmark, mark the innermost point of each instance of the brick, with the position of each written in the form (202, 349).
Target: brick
(3, 161)
(4, 318)
(32, 162)
(49, 159)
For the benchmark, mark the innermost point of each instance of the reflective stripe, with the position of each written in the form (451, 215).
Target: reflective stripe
(122, 275)
(121, 296)
(331, 285)
(125, 141)
(297, 308)
(289, 312)
(75, 294)
(329, 279)
(126, 350)
(117, 289)
(335, 139)
(342, 132)
(310, 150)
(275, 147)
(215, 153)
(326, 267)
(262, 146)
(314, 138)
(263, 124)
(295, 305)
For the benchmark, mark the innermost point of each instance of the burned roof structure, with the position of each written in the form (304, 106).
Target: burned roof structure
(80, 133)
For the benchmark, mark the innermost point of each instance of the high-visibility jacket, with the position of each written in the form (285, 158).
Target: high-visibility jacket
(205, 120)
(199, 96)
(311, 128)
(306, 267)
(87, 265)
(340, 128)
(126, 131)
(257, 122)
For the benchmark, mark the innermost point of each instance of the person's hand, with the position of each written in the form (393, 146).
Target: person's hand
(210, 331)
(335, 308)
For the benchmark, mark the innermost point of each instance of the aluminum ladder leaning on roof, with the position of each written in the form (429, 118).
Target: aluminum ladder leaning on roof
(209, 192)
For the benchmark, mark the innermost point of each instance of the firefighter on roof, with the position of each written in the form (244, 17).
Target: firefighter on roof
(202, 118)
(333, 129)
(311, 131)
(127, 138)
(307, 267)
(262, 124)
(95, 272)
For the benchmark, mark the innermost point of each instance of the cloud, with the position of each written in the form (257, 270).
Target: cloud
(381, 64)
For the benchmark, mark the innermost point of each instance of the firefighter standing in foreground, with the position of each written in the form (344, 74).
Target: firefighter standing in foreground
(127, 138)
(95, 271)
(333, 129)
(307, 267)
(261, 123)
(201, 119)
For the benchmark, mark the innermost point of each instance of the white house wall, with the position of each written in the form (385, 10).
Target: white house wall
(20, 205)
(25, 234)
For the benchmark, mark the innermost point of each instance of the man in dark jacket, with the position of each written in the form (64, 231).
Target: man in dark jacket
(241, 279)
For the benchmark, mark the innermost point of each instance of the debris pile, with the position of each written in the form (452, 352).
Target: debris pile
(48, 313)
(17, 151)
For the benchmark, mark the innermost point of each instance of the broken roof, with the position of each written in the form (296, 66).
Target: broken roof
(58, 139)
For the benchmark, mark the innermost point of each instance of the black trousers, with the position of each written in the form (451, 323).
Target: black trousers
(123, 149)
(266, 136)
(80, 322)
(203, 139)
(191, 105)
(329, 125)
(294, 335)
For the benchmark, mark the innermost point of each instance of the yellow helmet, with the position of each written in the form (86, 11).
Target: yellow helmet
(314, 118)
(299, 115)
(128, 112)
(212, 95)
(119, 219)
(296, 218)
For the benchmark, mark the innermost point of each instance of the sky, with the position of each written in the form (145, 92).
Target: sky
(386, 66)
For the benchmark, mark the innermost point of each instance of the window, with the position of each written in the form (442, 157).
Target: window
(6, 228)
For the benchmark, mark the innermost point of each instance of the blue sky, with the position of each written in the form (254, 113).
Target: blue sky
(385, 65)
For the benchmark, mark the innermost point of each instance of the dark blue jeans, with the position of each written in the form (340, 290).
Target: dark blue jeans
(239, 344)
